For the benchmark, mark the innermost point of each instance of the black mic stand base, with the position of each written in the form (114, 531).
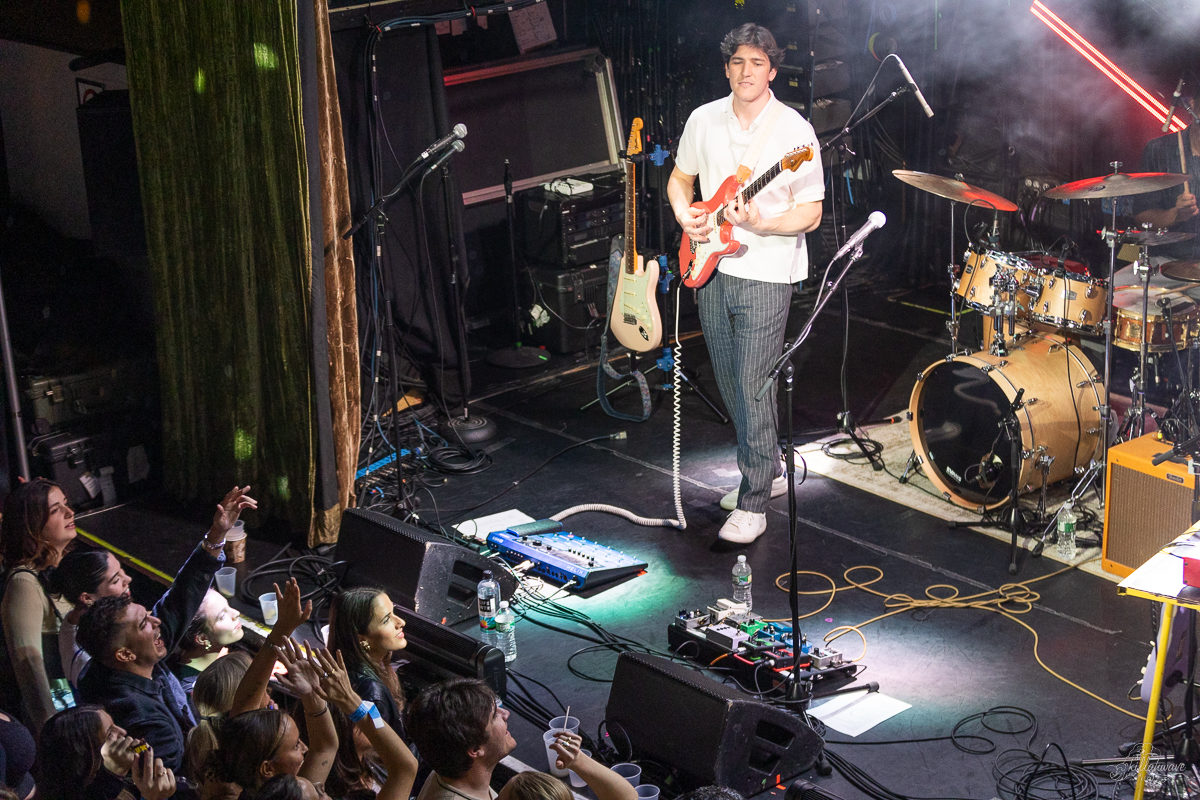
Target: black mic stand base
(517, 357)
(467, 429)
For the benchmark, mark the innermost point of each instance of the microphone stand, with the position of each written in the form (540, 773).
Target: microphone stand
(845, 422)
(514, 356)
(797, 690)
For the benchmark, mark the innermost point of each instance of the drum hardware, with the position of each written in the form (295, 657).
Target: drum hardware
(1094, 470)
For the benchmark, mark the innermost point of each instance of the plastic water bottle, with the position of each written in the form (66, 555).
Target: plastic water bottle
(743, 583)
(506, 631)
(488, 593)
(61, 694)
(1066, 533)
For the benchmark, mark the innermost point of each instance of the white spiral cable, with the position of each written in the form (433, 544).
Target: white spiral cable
(680, 522)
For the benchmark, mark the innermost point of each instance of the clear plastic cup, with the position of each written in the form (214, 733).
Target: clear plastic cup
(577, 781)
(227, 581)
(270, 607)
(630, 772)
(551, 755)
(647, 792)
(569, 723)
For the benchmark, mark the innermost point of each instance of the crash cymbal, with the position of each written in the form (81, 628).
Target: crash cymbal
(1118, 184)
(1151, 237)
(952, 189)
(1182, 270)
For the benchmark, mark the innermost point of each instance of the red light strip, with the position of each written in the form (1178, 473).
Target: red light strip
(1111, 70)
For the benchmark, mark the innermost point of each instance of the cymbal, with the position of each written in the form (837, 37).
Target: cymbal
(1118, 184)
(952, 189)
(1182, 270)
(1151, 237)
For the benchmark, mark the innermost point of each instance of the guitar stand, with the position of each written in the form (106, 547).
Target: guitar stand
(690, 381)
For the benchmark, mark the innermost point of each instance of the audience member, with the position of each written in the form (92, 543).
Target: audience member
(461, 731)
(128, 645)
(606, 784)
(17, 751)
(364, 629)
(82, 577)
(255, 746)
(212, 696)
(84, 755)
(37, 527)
(215, 626)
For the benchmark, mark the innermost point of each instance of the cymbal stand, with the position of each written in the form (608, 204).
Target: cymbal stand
(952, 325)
(1135, 423)
(1110, 238)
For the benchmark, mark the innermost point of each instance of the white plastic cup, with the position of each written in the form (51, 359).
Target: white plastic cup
(227, 581)
(235, 543)
(630, 772)
(270, 607)
(647, 792)
(577, 781)
(570, 723)
(551, 755)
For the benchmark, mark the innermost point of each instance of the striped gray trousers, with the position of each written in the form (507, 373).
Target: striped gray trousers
(743, 322)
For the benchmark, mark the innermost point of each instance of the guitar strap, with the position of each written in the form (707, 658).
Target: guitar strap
(754, 151)
(614, 266)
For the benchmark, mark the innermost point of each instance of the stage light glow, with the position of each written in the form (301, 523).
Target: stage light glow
(1102, 63)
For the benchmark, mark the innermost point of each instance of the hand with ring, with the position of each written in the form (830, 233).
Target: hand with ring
(567, 745)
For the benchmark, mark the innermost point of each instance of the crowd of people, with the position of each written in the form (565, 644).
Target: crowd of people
(117, 701)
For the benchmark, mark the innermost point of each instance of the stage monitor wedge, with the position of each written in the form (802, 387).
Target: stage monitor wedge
(708, 732)
(422, 571)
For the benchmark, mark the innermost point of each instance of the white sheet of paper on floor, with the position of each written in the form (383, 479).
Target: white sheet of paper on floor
(857, 712)
(480, 527)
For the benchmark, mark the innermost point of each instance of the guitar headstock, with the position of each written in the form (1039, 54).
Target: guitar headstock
(635, 138)
(794, 159)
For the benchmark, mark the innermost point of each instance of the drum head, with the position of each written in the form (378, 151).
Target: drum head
(961, 410)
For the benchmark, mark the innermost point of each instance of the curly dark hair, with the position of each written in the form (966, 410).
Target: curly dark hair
(450, 719)
(99, 625)
(755, 36)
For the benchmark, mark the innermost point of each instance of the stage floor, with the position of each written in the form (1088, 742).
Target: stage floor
(948, 663)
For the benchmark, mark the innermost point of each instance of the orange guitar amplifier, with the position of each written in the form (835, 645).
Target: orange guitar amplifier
(1147, 506)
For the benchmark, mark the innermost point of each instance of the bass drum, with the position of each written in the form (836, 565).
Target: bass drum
(957, 408)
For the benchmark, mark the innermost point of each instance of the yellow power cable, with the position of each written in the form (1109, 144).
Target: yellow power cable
(1009, 600)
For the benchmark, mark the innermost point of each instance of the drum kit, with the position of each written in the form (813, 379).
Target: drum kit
(1030, 410)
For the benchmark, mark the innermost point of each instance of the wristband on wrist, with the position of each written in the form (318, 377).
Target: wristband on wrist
(212, 545)
(308, 713)
(363, 709)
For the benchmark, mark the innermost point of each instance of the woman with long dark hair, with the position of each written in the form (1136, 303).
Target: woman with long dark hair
(83, 755)
(37, 527)
(82, 577)
(365, 631)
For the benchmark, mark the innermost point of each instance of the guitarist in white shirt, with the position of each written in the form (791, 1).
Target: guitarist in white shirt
(744, 305)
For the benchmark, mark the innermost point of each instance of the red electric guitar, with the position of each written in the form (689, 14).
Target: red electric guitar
(697, 260)
(635, 319)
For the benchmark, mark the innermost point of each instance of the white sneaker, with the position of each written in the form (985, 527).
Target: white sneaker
(743, 527)
(778, 489)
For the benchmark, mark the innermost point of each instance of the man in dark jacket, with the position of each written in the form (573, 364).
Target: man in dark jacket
(128, 644)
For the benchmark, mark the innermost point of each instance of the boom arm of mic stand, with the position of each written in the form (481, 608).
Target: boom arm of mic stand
(413, 170)
(855, 255)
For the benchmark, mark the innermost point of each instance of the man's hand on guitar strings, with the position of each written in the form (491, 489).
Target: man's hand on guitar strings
(695, 224)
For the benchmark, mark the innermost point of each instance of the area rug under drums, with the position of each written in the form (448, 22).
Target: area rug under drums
(919, 493)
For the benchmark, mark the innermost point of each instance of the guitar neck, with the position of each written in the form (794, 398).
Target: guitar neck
(750, 190)
(630, 217)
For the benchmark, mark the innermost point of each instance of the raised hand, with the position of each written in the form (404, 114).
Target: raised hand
(152, 778)
(291, 614)
(303, 676)
(336, 682)
(230, 507)
(567, 745)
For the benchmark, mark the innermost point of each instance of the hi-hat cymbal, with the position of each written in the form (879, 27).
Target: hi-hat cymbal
(1151, 237)
(1182, 270)
(1118, 184)
(952, 189)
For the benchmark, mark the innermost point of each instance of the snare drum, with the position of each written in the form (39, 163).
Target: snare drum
(1069, 301)
(1127, 333)
(975, 285)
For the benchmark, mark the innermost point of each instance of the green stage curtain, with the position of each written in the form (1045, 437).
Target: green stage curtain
(216, 98)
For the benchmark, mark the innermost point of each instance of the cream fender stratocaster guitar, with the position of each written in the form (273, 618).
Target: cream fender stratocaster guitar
(697, 260)
(635, 319)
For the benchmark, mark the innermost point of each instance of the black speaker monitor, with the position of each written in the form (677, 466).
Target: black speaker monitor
(708, 732)
(431, 575)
